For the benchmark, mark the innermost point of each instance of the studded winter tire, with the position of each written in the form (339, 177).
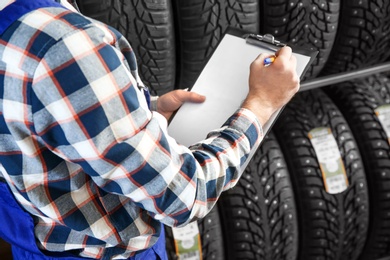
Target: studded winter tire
(358, 101)
(331, 226)
(211, 238)
(259, 214)
(363, 36)
(148, 25)
(200, 27)
(309, 23)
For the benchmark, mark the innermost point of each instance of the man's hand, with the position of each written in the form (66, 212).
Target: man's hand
(271, 87)
(171, 101)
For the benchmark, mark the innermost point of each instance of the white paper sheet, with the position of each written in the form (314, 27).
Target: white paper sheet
(224, 82)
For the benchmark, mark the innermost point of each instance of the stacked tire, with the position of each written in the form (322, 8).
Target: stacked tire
(200, 27)
(363, 37)
(359, 101)
(331, 226)
(259, 215)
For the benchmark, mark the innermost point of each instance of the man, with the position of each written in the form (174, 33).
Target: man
(92, 167)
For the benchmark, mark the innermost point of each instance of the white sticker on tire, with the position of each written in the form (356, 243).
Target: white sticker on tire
(187, 242)
(383, 114)
(328, 155)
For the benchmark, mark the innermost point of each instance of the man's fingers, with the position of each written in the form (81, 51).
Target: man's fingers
(285, 51)
(259, 61)
(195, 97)
(263, 56)
(293, 61)
(284, 54)
(186, 96)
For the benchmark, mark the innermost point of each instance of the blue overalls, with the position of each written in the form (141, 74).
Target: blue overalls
(16, 225)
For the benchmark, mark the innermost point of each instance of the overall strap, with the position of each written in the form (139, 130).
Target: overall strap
(17, 9)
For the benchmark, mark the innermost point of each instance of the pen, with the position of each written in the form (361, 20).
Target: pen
(268, 61)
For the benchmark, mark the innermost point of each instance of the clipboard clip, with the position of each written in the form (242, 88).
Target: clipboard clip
(267, 41)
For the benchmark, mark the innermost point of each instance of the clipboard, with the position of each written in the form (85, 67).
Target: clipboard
(224, 82)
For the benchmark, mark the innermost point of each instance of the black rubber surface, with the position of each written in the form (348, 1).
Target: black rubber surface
(200, 26)
(357, 101)
(259, 214)
(363, 36)
(102, 10)
(212, 240)
(148, 25)
(307, 23)
(331, 226)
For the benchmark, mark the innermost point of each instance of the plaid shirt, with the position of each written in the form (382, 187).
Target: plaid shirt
(82, 152)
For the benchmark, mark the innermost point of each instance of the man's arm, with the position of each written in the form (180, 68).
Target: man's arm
(271, 87)
(88, 110)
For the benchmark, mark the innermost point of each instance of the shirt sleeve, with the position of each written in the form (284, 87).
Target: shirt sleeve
(88, 110)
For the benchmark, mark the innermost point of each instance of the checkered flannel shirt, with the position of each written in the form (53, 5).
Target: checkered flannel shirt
(84, 155)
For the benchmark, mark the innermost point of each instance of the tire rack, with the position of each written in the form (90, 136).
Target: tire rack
(344, 76)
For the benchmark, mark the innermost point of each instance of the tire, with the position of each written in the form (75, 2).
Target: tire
(105, 11)
(200, 27)
(170, 244)
(357, 101)
(148, 25)
(259, 215)
(311, 24)
(211, 238)
(363, 36)
(331, 226)
(210, 229)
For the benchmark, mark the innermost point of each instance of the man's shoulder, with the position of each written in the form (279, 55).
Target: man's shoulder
(37, 31)
(55, 22)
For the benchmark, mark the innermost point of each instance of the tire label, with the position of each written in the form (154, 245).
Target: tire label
(187, 242)
(383, 114)
(329, 158)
